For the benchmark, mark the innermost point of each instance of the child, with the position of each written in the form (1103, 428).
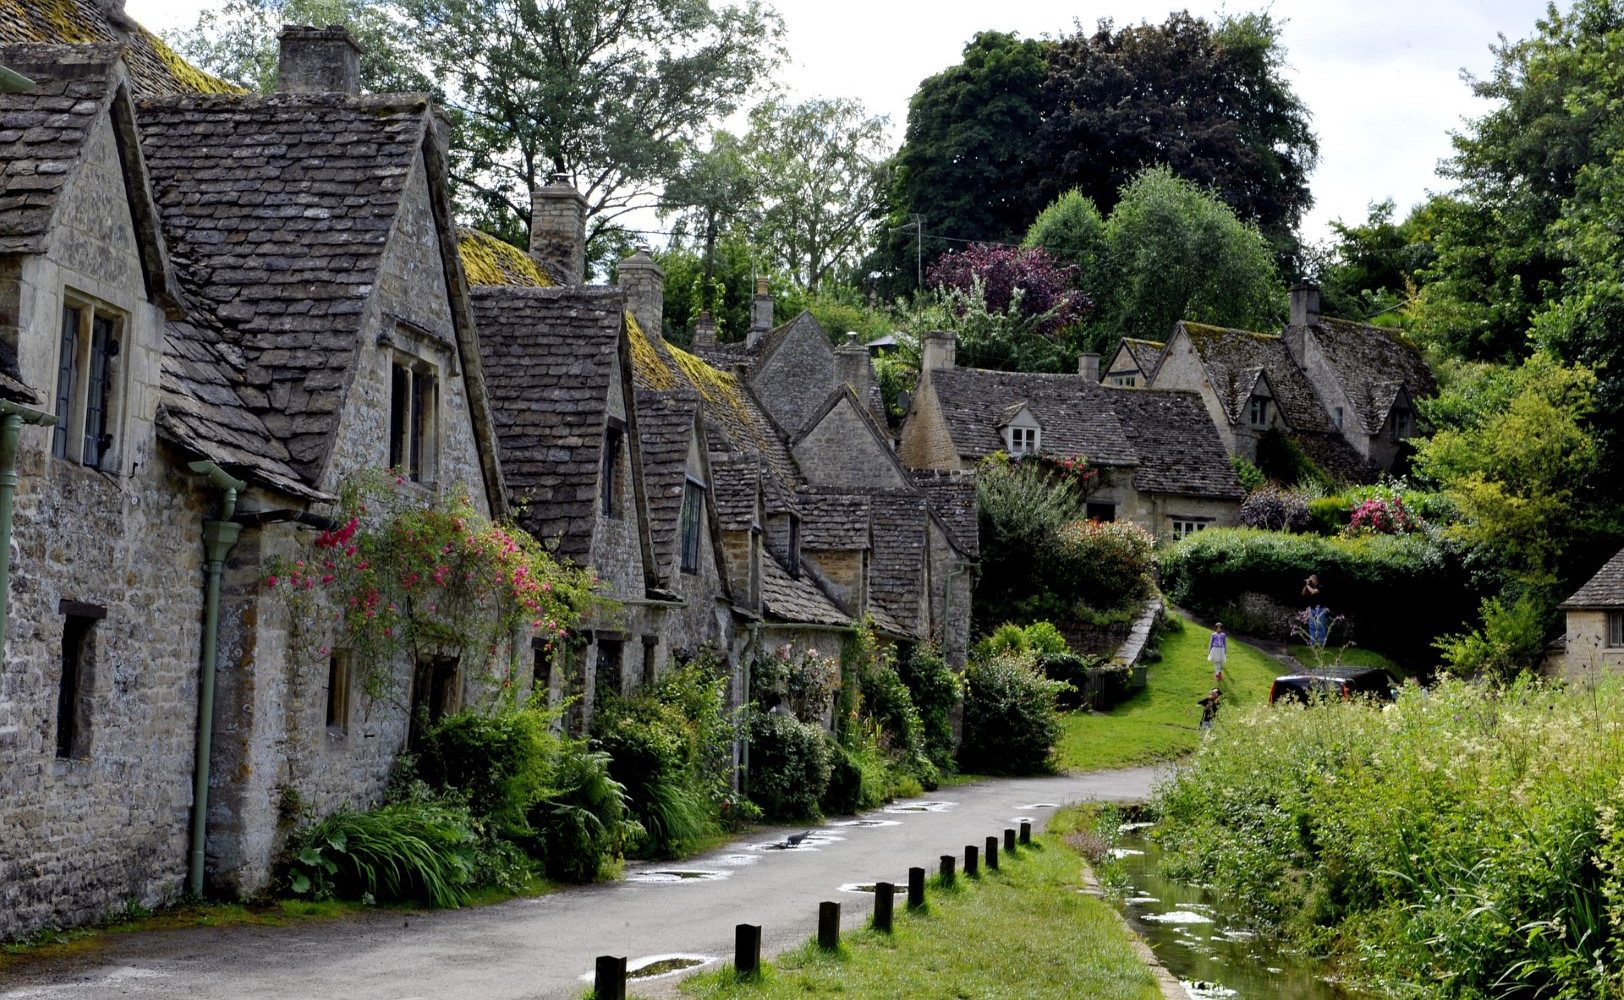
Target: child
(1217, 653)
(1209, 708)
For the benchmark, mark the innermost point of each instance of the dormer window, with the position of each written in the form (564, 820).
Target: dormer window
(1400, 423)
(693, 512)
(1023, 441)
(1257, 412)
(87, 372)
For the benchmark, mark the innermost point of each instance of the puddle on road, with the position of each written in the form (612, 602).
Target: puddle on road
(812, 842)
(736, 860)
(897, 889)
(920, 807)
(864, 824)
(668, 876)
(658, 966)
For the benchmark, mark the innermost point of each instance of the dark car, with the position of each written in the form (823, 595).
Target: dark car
(1334, 682)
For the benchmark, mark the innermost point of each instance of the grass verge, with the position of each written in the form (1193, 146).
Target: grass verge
(1346, 656)
(1023, 931)
(1163, 721)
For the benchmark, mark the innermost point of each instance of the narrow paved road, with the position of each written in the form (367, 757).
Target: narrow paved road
(542, 947)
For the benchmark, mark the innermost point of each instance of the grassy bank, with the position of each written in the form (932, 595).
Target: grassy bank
(1346, 656)
(1023, 931)
(1163, 721)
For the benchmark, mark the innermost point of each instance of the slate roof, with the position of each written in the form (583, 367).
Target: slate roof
(1372, 364)
(796, 600)
(897, 567)
(1147, 354)
(952, 496)
(487, 260)
(1073, 411)
(1179, 449)
(1233, 358)
(665, 422)
(42, 131)
(201, 411)
(549, 358)
(278, 210)
(155, 69)
(735, 484)
(834, 522)
(1604, 590)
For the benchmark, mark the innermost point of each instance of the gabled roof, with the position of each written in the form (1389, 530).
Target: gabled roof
(735, 488)
(797, 600)
(1604, 590)
(1074, 412)
(1371, 363)
(897, 569)
(1146, 355)
(155, 69)
(1179, 449)
(550, 356)
(1233, 358)
(952, 496)
(278, 211)
(834, 522)
(666, 421)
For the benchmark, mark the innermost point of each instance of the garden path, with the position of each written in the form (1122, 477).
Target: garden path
(541, 947)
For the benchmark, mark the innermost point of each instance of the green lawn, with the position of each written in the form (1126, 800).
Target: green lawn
(1021, 932)
(1163, 721)
(1347, 656)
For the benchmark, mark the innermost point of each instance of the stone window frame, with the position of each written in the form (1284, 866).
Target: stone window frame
(339, 686)
(77, 681)
(1185, 525)
(1613, 630)
(1257, 410)
(614, 438)
(1337, 416)
(76, 395)
(692, 518)
(428, 360)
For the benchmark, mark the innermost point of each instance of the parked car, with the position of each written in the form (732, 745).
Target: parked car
(1334, 682)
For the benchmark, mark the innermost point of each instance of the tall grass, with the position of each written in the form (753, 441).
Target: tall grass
(1462, 843)
(407, 851)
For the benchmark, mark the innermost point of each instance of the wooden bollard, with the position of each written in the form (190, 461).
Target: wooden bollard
(1026, 833)
(747, 949)
(609, 978)
(992, 854)
(885, 895)
(948, 862)
(916, 888)
(829, 926)
(971, 869)
(1009, 841)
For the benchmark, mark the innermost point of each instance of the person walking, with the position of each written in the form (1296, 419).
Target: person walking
(1209, 708)
(1218, 652)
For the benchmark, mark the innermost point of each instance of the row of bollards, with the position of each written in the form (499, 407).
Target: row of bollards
(609, 975)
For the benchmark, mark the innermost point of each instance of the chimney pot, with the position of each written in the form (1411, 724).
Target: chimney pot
(852, 366)
(761, 311)
(644, 284)
(318, 60)
(939, 350)
(1088, 366)
(558, 230)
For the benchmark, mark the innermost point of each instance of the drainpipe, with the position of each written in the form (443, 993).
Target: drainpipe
(218, 537)
(12, 418)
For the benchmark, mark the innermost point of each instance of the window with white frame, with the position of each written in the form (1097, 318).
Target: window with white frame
(1023, 440)
(1257, 413)
(88, 375)
(414, 418)
(1336, 416)
(1615, 629)
(1125, 381)
(1184, 526)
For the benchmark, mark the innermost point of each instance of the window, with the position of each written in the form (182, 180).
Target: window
(1336, 417)
(413, 416)
(1126, 381)
(1615, 629)
(85, 376)
(1023, 440)
(794, 545)
(693, 509)
(541, 672)
(610, 678)
(436, 693)
(74, 684)
(1399, 424)
(1183, 526)
(1258, 412)
(338, 693)
(611, 463)
(1099, 511)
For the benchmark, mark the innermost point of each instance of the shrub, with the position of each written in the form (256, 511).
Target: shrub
(935, 691)
(1382, 516)
(422, 852)
(652, 755)
(1010, 724)
(1022, 507)
(1510, 641)
(1039, 638)
(1281, 459)
(858, 778)
(1328, 515)
(1103, 565)
(789, 766)
(803, 680)
(583, 821)
(1274, 509)
(503, 763)
(1249, 474)
(1074, 672)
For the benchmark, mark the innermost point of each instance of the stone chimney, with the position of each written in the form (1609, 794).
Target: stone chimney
(318, 61)
(644, 283)
(1305, 303)
(852, 367)
(705, 329)
(938, 350)
(1088, 366)
(761, 311)
(558, 230)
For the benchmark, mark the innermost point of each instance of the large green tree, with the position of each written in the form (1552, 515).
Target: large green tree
(717, 191)
(238, 41)
(1209, 101)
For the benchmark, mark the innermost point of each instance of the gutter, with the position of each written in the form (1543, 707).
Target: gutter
(12, 418)
(219, 535)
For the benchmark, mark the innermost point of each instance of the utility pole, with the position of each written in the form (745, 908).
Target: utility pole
(919, 251)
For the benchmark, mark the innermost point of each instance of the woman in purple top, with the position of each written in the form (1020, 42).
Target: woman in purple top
(1218, 652)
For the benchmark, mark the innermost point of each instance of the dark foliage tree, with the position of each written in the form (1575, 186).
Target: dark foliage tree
(1044, 288)
(1209, 101)
(1370, 269)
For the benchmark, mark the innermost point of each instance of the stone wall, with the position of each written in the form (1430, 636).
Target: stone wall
(1588, 654)
(841, 452)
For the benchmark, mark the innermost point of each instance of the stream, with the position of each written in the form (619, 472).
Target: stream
(1205, 943)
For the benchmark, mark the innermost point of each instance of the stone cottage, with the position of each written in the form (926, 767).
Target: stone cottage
(1161, 464)
(217, 307)
(1593, 643)
(1134, 363)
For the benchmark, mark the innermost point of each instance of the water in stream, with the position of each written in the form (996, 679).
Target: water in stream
(1205, 944)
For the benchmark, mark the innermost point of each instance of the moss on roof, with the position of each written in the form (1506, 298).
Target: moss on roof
(490, 261)
(154, 67)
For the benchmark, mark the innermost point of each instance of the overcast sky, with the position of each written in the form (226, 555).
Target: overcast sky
(1381, 77)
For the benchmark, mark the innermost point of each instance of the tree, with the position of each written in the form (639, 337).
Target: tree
(606, 92)
(1027, 281)
(1072, 230)
(819, 169)
(238, 41)
(1209, 102)
(716, 190)
(966, 163)
(1170, 251)
(1371, 268)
